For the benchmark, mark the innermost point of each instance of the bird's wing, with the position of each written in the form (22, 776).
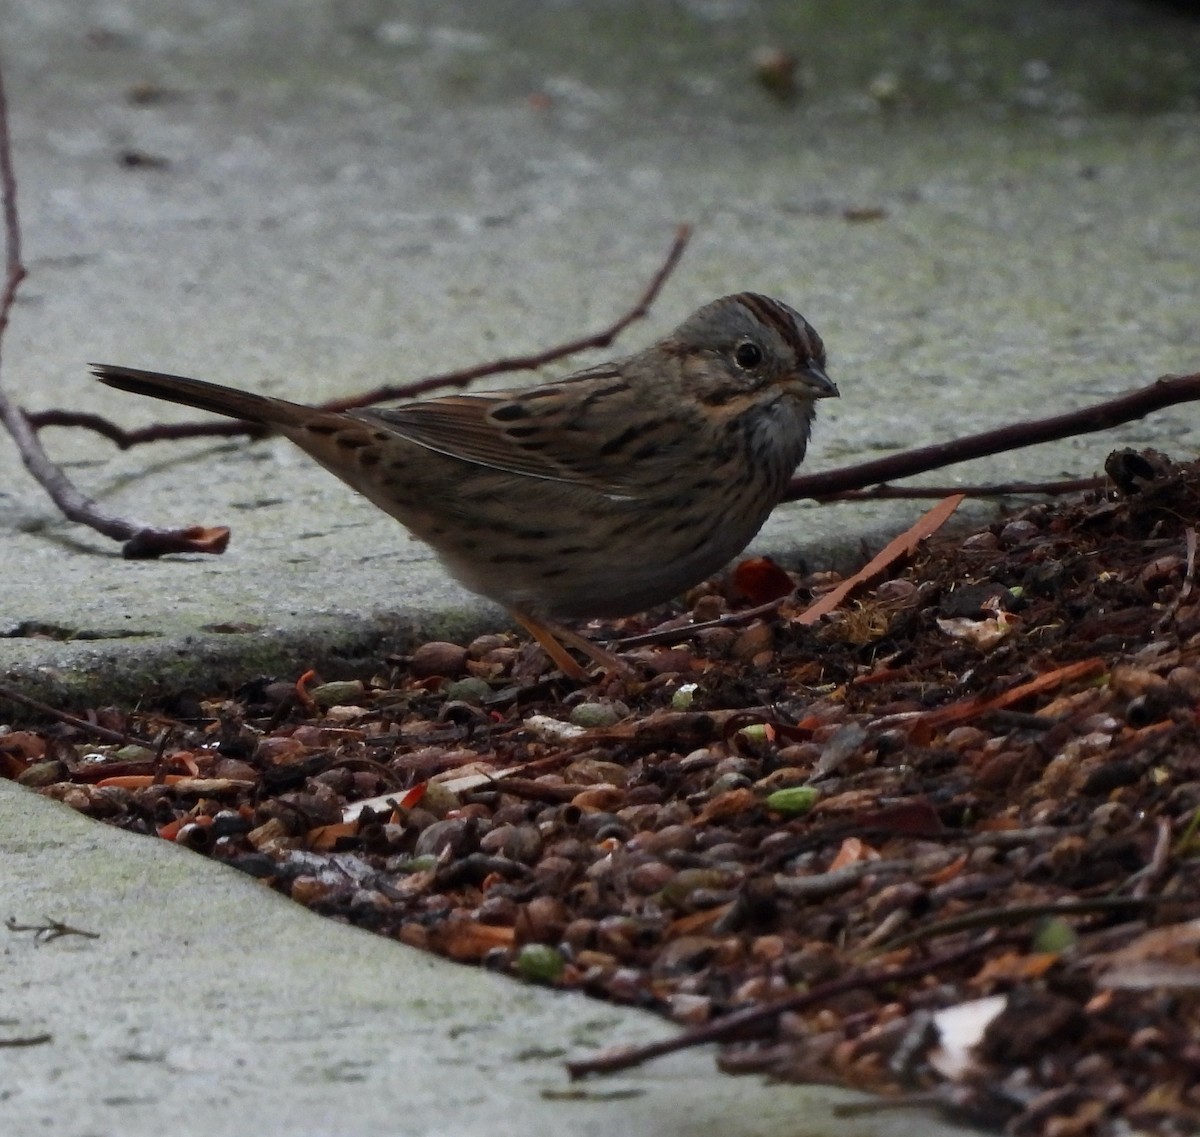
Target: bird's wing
(556, 432)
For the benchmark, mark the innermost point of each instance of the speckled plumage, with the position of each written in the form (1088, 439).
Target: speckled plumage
(597, 495)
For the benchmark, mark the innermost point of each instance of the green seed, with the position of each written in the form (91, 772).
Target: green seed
(539, 963)
(1055, 935)
(471, 690)
(682, 699)
(793, 801)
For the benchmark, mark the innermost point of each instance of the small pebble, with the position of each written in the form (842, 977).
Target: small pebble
(481, 645)
(471, 690)
(592, 715)
(710, 607)
(680, 891)
(1017, 533)
(781, 779)
(697, 760)
(333, 694)
(690, 1010)
(662, 840)
(1186, 680)
(716, 643)
(552, 730)
(736, 765)
(580, 933)
(523, 844)
(985, 542)
(42, 774)
(650, 877)
(801, 754)
(665, 661)
(591, 771)
(451, 834)
(498, 910)
(439, 658)
(728, 852)
(543, 920)
(617, 935)
(600, 797)
(753, 640)
(1130, 682)
(966, 737)
(775, 70)
(727, 782)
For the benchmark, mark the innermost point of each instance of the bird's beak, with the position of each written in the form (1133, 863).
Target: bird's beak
(814, 383)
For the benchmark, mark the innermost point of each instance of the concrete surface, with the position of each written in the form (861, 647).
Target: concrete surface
(209, 1004)
(310, 199)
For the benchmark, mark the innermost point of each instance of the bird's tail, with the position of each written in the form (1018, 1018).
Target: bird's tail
(204, 396)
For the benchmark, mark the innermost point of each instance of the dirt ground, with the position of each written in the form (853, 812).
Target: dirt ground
(941, 844)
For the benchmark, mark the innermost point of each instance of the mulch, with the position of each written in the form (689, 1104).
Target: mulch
(941, 845)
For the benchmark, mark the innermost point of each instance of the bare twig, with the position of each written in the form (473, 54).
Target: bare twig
(159, 432)
(885, 492)
(49, 930)
(818, 886)
(735, 1024)
(14, 269)
(683, 632)
(26, 1040)
(115, 736)
(1164, 392)
(531, 362)
(1022, 914)
(1149, 875)
(167, 432)
(1185, 589)
(143, 539)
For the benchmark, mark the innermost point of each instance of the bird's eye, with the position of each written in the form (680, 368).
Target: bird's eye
(748, 355)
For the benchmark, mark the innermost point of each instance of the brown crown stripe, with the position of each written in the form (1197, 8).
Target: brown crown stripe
(790, 325)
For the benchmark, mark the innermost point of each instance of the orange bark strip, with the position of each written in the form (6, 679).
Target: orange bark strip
(972, 708)
(896, 548)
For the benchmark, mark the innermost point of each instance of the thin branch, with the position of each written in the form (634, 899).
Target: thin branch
(210, 428)
(1164, 392)
(26, 1040)
(14, 269)
(683, 632)
(146, 541)
(49, 930)
(1022, 914)
(737, 1022)
(1148, 876)
(160, 432)
(886, 492)
(142, 539)
(531, 362)
(119, 737)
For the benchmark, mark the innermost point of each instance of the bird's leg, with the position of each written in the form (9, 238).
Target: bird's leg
(553, 636)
